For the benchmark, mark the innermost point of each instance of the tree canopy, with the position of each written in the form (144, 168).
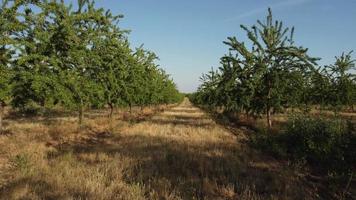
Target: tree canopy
(270, 73)
(78, 58)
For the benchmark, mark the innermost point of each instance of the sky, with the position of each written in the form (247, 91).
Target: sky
(188, 35)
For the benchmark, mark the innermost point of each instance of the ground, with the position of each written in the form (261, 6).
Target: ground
(180, 153)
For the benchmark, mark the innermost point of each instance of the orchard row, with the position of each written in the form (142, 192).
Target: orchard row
(77, 57)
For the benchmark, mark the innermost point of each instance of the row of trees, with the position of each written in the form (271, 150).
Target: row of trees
(271, 73)
(53, 54)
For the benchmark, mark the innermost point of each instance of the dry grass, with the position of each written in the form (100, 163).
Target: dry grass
(178, 154)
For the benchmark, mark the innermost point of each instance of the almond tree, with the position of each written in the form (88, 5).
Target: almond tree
(5, 75)
(4, 81)
(52, 54)
(8, 24)
(82, 27)
(33, 79)
(112, 53)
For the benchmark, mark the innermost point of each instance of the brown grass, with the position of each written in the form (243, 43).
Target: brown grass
(178, 154)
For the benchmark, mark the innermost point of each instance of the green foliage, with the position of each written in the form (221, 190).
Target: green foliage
(7, 25)
(343, 80)
(52, 54)
(327, 144)
(272, 74)
(263, 79)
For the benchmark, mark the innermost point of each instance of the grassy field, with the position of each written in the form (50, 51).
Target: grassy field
(180, 153)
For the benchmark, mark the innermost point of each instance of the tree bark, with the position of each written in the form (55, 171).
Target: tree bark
(269, 118)
(247, 115)
(111, 111)
(268, 106)
(80, 115)
(1, 113)
(111, 116)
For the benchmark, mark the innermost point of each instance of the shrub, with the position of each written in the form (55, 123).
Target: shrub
(328, 145)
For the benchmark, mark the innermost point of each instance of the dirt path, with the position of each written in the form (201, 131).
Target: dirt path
(183, 153)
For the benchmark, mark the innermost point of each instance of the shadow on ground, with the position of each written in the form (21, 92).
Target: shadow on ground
(201, 171)
(171, 166)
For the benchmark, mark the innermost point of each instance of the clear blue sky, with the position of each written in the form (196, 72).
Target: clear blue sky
(187, 35)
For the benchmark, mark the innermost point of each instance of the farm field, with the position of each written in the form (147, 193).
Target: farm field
(168, 100)
(180, 153)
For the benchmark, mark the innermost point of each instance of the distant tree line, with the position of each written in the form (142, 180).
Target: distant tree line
(271, 73)
(54, 54)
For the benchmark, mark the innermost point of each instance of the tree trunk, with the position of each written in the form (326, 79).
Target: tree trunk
(130, 105)
(80, 115)
(268, 107)
(305, 108)
(247, 115)
(269, 118)
(111, 116)
(111, 111)
(1, 113)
